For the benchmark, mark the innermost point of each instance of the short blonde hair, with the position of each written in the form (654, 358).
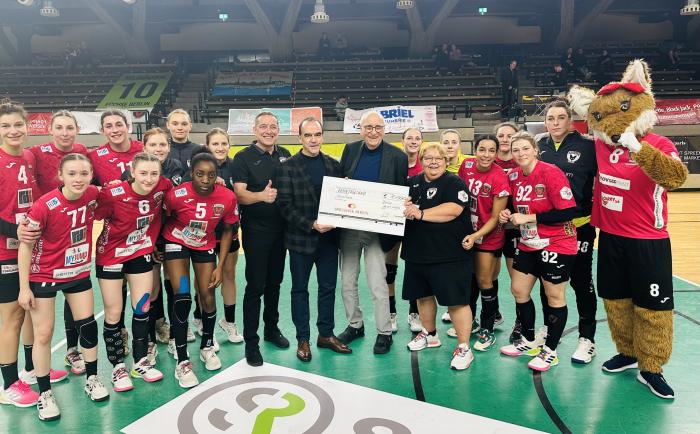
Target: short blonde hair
(450, 131)
(432, 145)
(524, 135)
(178, 112)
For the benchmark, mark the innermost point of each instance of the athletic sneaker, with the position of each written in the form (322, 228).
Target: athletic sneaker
(515, 333)
(197, 324)
(55, 375)
(125, 341)
(461, 358)
(172, 349)
(162, 331)
(485, 340)
(475, 326)
(184, 374)
(414, 322)
(394, 322)
(190, 335)
(446, 317)
(74, 359)
(210, 359)
(656, 383)
(152, 353)
(497, 319)
(585, 351)
(522, 347)
(542, 332)
(424, 340)
(47, 406)
(544, 360)
(451, 332)
(215, 344)
(95, 389)
(143, 369)
(120, 378)
(231, 331)
(620, 362)
(19, 394)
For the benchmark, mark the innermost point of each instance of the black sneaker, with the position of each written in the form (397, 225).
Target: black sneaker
(277, 339)
(253, 356)
(620, 362)
(383, 344)
(515, 334)
(656, 383)
(350, 334)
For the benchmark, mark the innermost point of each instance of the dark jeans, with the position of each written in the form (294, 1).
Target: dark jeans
(326, 259)
(264, 270)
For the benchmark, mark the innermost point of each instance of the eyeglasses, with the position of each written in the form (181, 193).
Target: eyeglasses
(432, 159)
(377, 128)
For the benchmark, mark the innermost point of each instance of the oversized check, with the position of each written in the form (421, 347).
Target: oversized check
(362, 205)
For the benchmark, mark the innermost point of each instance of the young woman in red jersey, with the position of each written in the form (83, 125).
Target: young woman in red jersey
(194, 209)
(544, 205)
(114, 157)
(488, 191)
(132, 219)
(16, 197)
(61, 261)
(64, 130)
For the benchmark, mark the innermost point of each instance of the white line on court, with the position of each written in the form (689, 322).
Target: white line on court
(690, 282)
(62, 342)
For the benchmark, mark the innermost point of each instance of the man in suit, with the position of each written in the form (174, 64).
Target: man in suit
(299, 181)
(371, 159)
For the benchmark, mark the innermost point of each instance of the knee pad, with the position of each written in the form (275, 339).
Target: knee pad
(87, 329)
(181, 308)
(391, 270)
(143, 305)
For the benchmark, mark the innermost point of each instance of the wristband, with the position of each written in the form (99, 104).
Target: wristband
(421, 215)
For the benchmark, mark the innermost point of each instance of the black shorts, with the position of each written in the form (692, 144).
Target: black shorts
(550, 266)
(235, 246)
(49, 289)
(582, 270)
(495, 252)
(636, 269)
(449, 282)
(178, 251)
(9, 281)
(141, 264)
(512, 237)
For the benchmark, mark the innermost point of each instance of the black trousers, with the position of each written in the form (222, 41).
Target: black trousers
(264, 270)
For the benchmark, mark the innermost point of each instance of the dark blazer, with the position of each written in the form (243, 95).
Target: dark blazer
(298, 202)
(394, 170)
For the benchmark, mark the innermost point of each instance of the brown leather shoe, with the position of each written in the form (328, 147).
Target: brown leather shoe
(333, 343)
(304, 351)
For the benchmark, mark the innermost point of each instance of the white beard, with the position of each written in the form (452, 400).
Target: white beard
(645, 122)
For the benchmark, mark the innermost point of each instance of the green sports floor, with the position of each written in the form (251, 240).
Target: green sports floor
(568, 398)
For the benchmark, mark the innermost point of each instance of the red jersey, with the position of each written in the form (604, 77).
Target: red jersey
(108, 164)
(545, 189)
(64, 250)
(131, 221)
(416, 169)
(48, 157)
(17, 192)
(192, 218)
(626, 202)
(506, 165)
(483, 188)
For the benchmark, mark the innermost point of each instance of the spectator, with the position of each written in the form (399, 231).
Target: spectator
(341, 45)
(455, 59)
(604, 66)
(559, 80)
(324, 46)
(340, 105)
(567, 61)
(509, 88)
(442, 60)
(581, 64)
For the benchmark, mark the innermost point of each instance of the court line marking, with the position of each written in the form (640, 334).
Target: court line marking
(690, 282)
(62, 342)
(415, 371)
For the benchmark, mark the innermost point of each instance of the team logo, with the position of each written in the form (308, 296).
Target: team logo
(53, 203)
(158, 195)
(102, 152)
(180, 192)
(188, 200)
(92, 206)
(117, 191)
(566, 193)
(539, 190)
(569, 229)
(573, 156)
(46, 148)
(218, 209)
(485, 190)
(513, 176)
(9, 166)
(113, 160)
(468, 164)
(463, 196)
(283, 159)
(177, 180)
(431, 193)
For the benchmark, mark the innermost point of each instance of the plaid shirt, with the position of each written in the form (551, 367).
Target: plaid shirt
(298, 201)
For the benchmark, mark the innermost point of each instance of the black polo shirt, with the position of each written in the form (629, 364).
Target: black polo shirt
(255, 167)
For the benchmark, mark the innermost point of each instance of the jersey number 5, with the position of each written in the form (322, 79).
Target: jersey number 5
(201, 211)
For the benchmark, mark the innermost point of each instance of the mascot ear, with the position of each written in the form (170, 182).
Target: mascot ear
(638, 72)
(579, 100)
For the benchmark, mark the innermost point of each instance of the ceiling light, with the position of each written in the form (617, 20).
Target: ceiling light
(48, 10)
(319, 16)
(405, 4)
(692, 8)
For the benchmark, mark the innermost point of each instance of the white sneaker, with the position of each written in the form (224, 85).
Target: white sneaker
(143, 369)
(544, 360)
(184, 375)
(197, 324)
(414, 322)
(446, 317)
(95, 389)
(451, 332)
(120, 378)
(215, 344)
(542, 333)
(172, 349)
(190, 335)
(152, 353)
(47, 406)
(210, 359)
(231, 331)
(424, 340)
(162, 331)
(55, 375)
(523, 347)
(75, 360)
(125, 341)
(394, 322)
(462, 357)
(585, 351)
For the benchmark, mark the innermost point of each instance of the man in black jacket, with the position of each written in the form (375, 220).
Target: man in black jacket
(299, 182)
(374, 160)
(509, 89)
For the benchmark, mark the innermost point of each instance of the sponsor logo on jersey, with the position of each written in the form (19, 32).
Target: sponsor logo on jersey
(67, 273)
(12, 244)
(171, 247)
(462, 196)
(157, 195)
(485, 190)
(128, 251)
(24, 198)
(46, 148)
(503, 193)
(113, 268)
(19, 217)
(78, 235)
(513, 176)
(10, 269)
(180, 192)
(573, 156)
(103, 151)
(539, 190)
(9, 166)
(77, 255)
(569, 229)
(136, 236)
(218, 209)
(613, 181)
(53, 203)
(468, 164)
(117, 191)
(611, 202)
(566, 193)
(431, 193)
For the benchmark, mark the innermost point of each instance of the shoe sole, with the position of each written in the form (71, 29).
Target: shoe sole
(18, 405)
(646, 383)
(536, 368)
(106, 397)
(439, 344)
(49, 419)
(59, 379)
(185, 386)
(634, 365)
(147, 380)
(582, 361)
(454, 368)
(123, 389)
(480, 348)
(254, 364)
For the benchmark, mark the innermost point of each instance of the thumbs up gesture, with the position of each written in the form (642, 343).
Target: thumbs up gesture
(269, 194)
